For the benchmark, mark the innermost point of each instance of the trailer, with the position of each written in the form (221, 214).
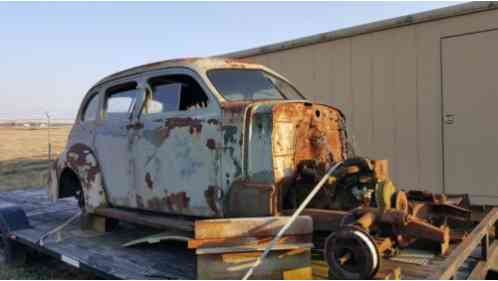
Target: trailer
(28, 220)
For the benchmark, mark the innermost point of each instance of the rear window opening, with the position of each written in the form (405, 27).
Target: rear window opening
(175, 93)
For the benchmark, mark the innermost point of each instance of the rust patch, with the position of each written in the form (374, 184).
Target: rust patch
(213, 121)
(140, 202)
(155, 204)
(148, 181)
(318, 133)
(211, 195)
(155, 64)
(159, 203)
(77, 160)
(178, 201)
(238, 63)
(250, 199)
(172, 123)
(135, 126)
(235, 107)
(211, 144)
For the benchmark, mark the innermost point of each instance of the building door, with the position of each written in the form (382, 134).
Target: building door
(470, 115)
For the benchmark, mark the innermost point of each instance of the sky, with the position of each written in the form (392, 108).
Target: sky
(52, 53)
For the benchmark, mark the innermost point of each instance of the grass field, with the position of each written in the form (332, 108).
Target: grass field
(24, 155)
(24, 164)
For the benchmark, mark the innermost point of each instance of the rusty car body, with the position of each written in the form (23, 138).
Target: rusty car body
(218, 138)
(198, 137)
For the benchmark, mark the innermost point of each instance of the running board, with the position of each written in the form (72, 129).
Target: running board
(147, 219)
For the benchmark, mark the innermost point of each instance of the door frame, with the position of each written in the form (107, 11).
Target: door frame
(442, 95)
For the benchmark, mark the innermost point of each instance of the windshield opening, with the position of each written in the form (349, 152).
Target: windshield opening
(251, 84)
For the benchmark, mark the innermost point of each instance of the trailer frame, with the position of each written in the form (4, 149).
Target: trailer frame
(104, 254)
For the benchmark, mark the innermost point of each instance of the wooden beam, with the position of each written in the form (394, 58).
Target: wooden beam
(481, 269)
(251, 227)
(251, 249)
(458, 256)
(323, 220)
(247, 241)
(389, 274)
(234, 265)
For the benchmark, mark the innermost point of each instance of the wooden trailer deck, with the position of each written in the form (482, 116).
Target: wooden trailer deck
(104, 254)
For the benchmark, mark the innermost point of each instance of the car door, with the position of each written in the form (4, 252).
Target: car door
(83, 131)
(113, 145)
(177, 162)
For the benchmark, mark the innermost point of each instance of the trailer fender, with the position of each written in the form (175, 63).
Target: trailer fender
(12, 218)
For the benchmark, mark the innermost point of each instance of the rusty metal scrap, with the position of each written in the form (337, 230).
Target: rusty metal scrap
(371, 229)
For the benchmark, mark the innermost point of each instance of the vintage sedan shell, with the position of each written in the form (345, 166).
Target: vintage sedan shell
(181, 137)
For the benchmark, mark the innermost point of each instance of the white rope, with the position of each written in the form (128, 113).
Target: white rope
(291, 220)
(41, 241)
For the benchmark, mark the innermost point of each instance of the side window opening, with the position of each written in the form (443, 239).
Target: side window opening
(175, 93)
(91, 109)
(120, 100)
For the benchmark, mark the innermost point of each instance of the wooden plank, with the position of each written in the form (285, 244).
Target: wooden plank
(389, 274)
(479, 271)
(250, 227)
(302, 273)
(245, 249)
(408, 270)
(234, 265)
(247, 241)
(458, 256)
(147, 219)
(482, 267)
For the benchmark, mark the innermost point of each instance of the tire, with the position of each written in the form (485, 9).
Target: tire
(364, 257)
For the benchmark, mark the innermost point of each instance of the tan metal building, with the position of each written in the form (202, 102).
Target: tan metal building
(419, 90)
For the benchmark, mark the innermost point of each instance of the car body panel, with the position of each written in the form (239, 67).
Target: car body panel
(226, 159)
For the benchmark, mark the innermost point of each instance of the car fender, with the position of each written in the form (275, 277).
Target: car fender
(81, 159)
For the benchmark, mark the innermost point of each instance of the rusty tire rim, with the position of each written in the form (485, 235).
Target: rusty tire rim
(351, 253)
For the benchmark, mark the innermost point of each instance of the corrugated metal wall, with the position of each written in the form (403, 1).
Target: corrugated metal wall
(388, 84)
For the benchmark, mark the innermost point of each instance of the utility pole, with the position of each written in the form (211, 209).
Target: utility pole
(47, 114)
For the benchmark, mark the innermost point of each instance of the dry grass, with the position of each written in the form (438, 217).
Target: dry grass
(24, 164)
(24, 155)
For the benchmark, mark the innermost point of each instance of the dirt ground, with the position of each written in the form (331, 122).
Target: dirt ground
(24, 164)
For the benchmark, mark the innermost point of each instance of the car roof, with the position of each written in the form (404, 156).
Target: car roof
(198, 64)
